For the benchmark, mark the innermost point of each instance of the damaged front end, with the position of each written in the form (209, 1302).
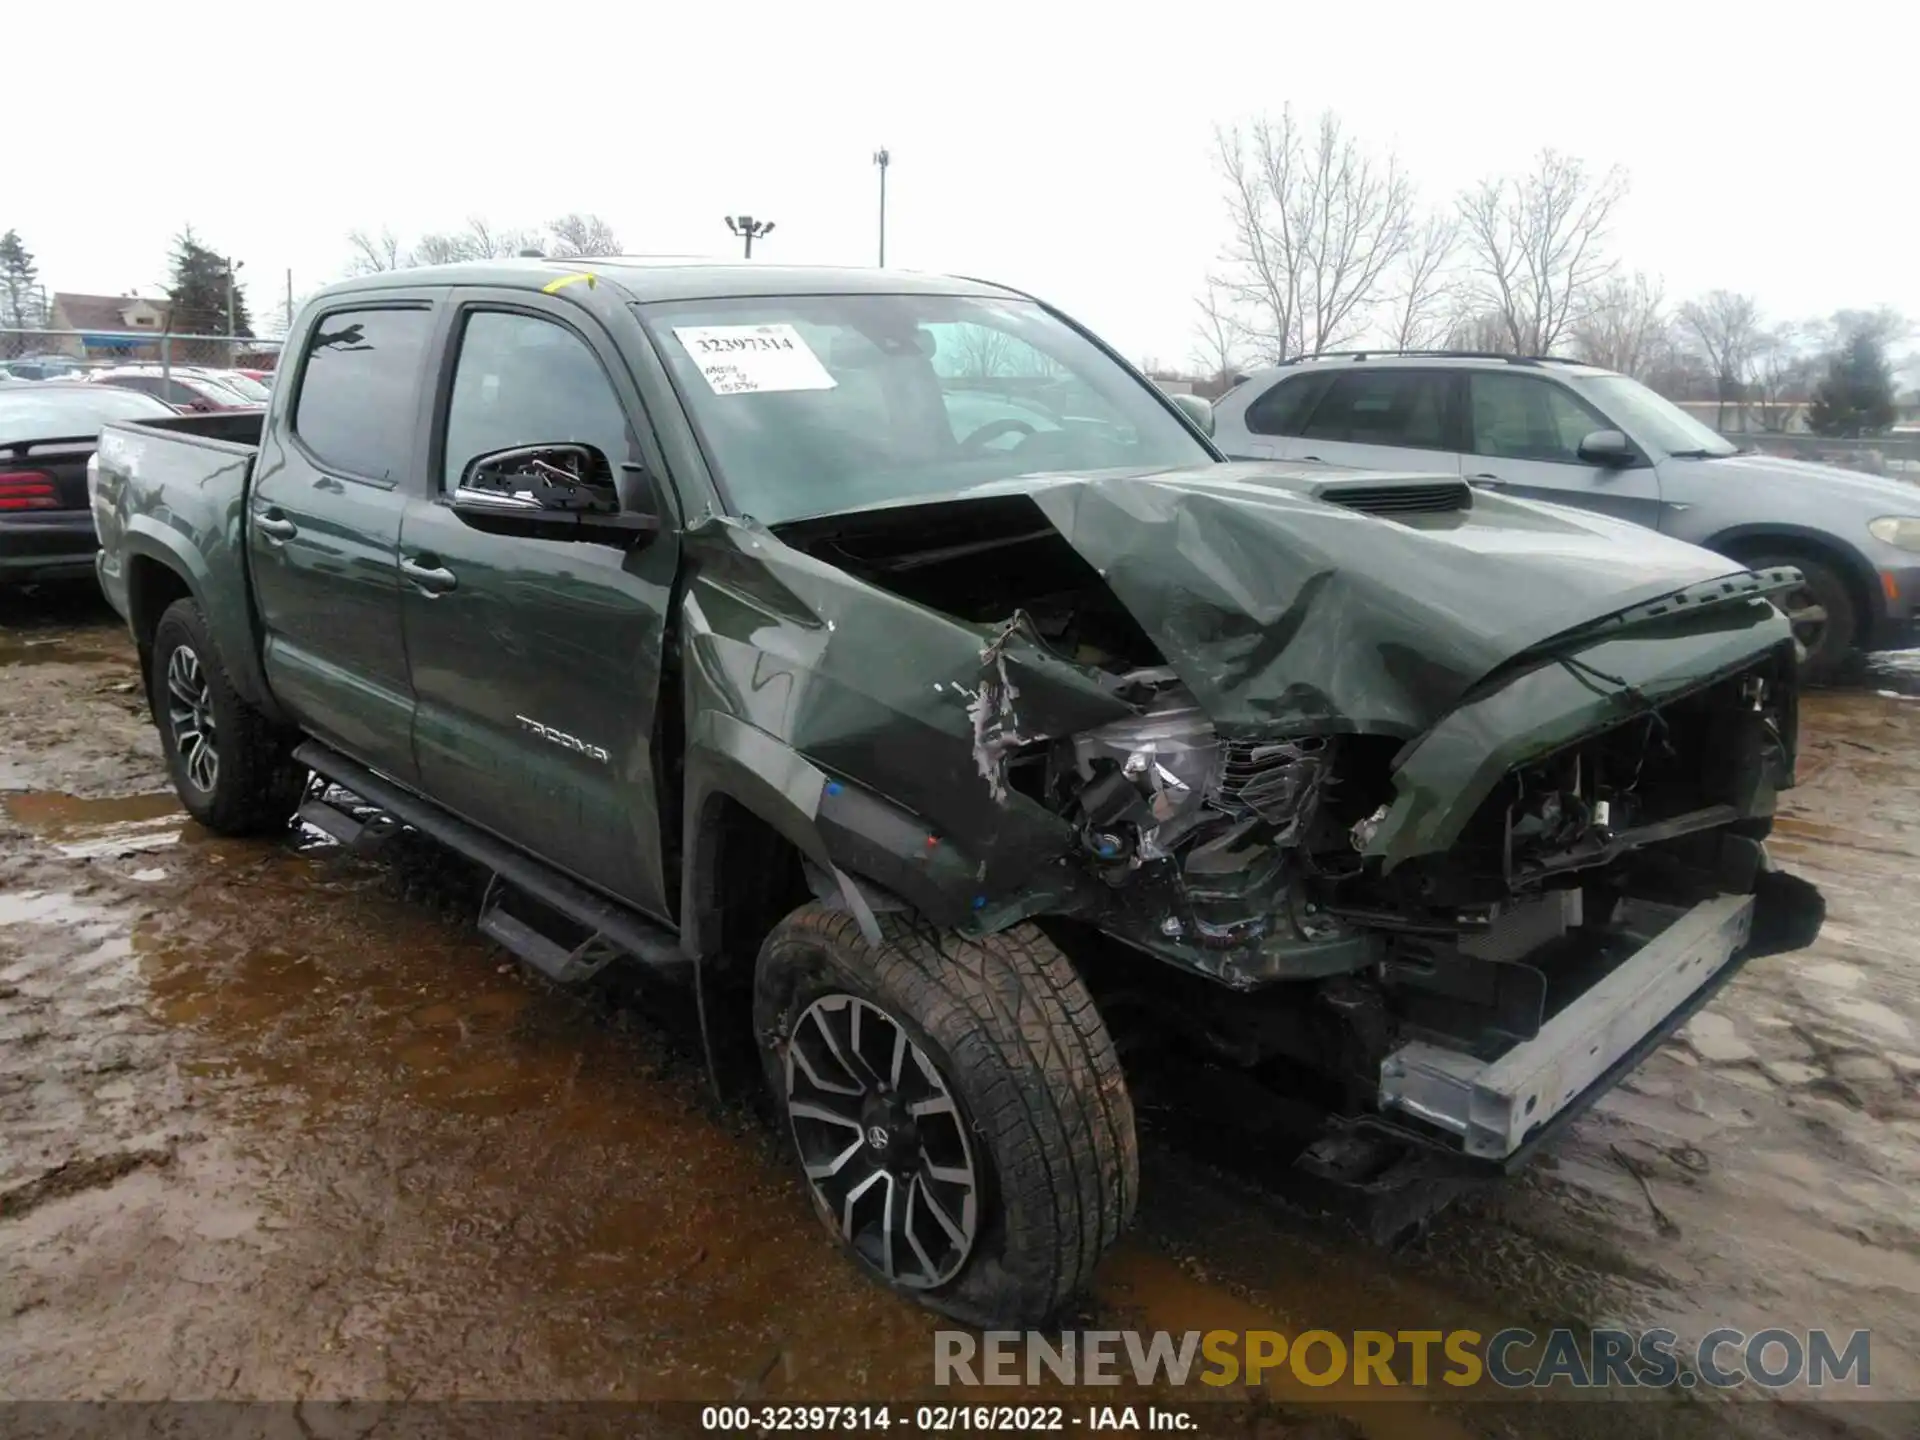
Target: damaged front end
(1463, 868)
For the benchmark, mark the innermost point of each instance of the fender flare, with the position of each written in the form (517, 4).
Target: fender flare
(728, 758)
(146, 540)
(1854, 566)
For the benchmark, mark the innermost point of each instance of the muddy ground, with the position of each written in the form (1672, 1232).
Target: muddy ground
(276, 1123)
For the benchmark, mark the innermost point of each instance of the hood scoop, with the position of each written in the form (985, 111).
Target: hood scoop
(1393, 498)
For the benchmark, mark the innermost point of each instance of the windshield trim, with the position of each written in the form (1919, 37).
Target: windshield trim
(647, 313)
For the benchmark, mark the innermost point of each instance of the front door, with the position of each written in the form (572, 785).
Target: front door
(334, 470)
(1525, 440)
(536, 662)
(1380, 417)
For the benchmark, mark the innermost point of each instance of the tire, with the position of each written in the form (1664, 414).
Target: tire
(233, 769)
(1827, 642)
(1004, 1030)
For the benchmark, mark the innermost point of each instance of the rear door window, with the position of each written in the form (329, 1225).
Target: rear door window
(1407, 408)
(358, 389)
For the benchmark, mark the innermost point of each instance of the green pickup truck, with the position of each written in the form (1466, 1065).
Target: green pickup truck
(887, 658)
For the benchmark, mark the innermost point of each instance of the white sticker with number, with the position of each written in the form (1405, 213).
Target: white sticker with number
(751, 359)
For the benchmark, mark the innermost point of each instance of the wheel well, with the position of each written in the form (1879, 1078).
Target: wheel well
(1748, 547)
(747, 877)
(151, 588)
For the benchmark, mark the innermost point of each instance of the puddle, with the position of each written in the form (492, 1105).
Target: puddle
(82, 829)
(58, 650)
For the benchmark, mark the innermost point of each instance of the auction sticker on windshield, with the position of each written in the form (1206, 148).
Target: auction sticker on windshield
(749, 359)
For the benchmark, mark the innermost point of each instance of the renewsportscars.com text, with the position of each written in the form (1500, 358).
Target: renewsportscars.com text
(1512, 1359)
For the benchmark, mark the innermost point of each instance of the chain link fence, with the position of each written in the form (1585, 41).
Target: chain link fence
(82, 354)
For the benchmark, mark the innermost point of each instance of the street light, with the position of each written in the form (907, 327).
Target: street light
(749, 229)
(883, 159)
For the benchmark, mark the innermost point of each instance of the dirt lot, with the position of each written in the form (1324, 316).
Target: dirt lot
(276, 1123)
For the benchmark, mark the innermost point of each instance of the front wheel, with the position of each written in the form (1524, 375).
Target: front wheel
(1822, 613)
(957, 1108)
(233, 770)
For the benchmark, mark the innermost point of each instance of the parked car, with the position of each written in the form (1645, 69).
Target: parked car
(675, 598)
(42, 367)
(263, 378)
(1573, 434)
(47, 434)
(183, 387)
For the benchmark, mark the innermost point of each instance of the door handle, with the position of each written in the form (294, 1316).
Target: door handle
(275, 527)
(433, 579)
(1315, 458)
(1486, 482)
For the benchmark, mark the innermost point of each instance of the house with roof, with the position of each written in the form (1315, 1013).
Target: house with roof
(108, 327)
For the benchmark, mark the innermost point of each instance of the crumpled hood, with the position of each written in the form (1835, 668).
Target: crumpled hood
(1281, 612)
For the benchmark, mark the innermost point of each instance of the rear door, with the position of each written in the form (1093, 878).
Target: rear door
(340, 452)
(1524, 439)
(1381, 417)
(536, 661)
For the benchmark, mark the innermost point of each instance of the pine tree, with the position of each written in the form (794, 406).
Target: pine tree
(20, 307)
(1856, 397)
(197, 299)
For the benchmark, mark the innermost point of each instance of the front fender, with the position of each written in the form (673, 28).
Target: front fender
(870, 847)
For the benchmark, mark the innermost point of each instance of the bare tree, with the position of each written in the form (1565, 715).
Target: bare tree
(1424, 285)
(1726, 327)
(1786, 367)
(1317, 224)
(1473, 327)
(374, 253)
(575, 234)
(1622, 325)
(1536, 246)
(1217, 336)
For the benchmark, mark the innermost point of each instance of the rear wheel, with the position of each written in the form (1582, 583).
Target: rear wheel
(233, 769)
(956, 1106)
(1823, 614)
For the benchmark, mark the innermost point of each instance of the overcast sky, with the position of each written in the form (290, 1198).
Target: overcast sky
(1061, 147)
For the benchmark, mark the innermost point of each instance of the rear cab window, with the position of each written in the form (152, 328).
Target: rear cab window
(354, 411)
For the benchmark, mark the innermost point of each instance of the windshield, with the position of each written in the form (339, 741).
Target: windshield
(42, 414)
(811, 404)
(1656, 421)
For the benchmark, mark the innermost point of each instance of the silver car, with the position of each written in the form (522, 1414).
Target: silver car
(1573, 434)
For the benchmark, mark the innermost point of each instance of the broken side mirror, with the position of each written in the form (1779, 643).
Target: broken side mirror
(1198, 409)
(562, 491)
(1609, 449)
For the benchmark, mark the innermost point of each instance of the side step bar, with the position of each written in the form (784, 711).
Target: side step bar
(612, 929)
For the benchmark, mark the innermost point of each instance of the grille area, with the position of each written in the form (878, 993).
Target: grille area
(1272, 780)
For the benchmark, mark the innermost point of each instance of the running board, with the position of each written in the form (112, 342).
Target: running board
(612, 929)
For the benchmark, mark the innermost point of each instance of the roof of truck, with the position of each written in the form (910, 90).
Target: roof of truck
(669, 277)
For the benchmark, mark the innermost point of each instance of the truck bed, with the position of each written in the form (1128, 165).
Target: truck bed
(169, 499)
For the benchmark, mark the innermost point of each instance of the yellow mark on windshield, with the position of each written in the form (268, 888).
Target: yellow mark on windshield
(566, 280)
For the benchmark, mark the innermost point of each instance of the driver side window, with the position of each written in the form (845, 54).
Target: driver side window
(1517, 417)
(522, 380)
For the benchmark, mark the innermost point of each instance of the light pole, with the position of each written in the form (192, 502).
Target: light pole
(883, 159)
(749, 229)
(232, 265)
